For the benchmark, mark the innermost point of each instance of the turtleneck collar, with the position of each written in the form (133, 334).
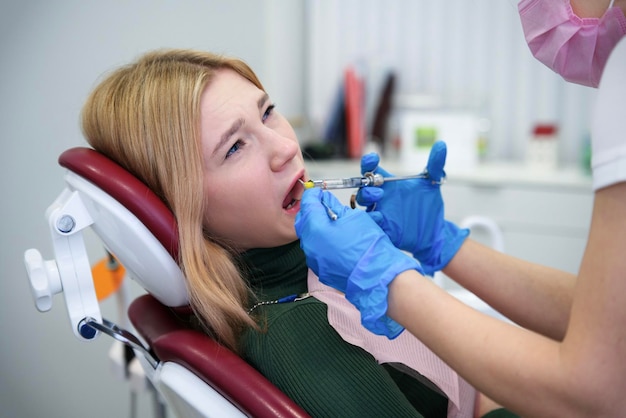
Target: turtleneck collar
(273, 273)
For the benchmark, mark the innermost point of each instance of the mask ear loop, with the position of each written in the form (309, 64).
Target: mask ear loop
(611, 4)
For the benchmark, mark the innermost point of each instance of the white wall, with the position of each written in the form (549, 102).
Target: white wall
(51, 54)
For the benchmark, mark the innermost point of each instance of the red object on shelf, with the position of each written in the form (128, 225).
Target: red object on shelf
(544, 129)
(355, 119)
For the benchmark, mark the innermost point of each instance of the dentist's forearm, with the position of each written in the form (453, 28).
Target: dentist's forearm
(534, 296)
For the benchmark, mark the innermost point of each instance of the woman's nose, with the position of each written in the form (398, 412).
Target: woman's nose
(283, 150)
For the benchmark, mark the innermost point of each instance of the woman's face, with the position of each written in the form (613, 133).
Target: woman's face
(252, 164)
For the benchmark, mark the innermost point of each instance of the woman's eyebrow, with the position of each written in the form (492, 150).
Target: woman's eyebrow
(230, 132)
(237, 125)
(262, 100)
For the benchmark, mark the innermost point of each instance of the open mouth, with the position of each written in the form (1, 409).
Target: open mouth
(294, 195)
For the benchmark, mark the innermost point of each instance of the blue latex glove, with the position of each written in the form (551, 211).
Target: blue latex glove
(411, 212)
(353, 255)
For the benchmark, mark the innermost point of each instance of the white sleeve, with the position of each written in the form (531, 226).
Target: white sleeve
(608, 126)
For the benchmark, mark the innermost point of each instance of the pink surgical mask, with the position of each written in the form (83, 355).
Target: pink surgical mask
(573, 47)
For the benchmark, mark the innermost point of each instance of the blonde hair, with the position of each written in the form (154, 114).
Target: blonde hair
(146, 117)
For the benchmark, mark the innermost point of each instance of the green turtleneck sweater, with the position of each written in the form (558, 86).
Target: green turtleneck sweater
(302, 354)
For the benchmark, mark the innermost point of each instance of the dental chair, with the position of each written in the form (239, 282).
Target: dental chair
(196, 376)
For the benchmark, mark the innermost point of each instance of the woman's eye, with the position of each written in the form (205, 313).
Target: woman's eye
(268, 112)
(236, 147)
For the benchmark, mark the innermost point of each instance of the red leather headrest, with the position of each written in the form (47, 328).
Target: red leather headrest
(126, 189)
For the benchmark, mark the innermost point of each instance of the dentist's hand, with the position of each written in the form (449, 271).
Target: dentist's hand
(353, 255)
(411, 212)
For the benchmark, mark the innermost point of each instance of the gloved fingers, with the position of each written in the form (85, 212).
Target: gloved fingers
(310, 205)
(436, 161)
(369, 196)
(331, 202)
(318, 207)
(369, 163)
(378, 218)
(310, 198)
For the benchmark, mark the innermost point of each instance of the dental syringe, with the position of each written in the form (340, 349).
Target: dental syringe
(368, 179)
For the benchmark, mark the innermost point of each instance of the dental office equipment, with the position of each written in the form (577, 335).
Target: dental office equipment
(367, 180)
(191, 372)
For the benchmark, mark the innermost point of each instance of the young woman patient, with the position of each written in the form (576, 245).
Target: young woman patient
(202, 133)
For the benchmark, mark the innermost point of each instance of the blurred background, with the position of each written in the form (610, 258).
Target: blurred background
(455, 55)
